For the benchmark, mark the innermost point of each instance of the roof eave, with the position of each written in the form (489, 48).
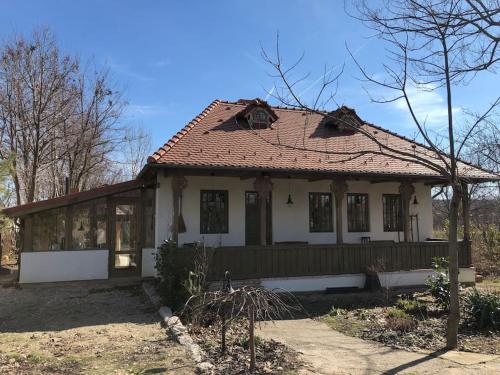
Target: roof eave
(293, 171)
(74, 198)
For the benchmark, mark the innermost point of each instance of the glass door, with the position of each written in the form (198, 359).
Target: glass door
(126, 253)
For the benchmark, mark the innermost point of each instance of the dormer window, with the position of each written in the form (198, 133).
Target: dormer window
(260, 115)
(342, 120)
(257, 113)
(258, 118)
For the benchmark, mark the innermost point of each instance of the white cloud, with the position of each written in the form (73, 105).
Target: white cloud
(144, 110)
(428, 104)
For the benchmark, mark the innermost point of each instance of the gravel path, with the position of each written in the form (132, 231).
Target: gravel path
(329, 352)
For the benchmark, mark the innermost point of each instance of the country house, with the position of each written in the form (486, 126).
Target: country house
(284, 197)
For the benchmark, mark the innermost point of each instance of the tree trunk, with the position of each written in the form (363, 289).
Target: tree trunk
(251, 337)
(454, 313)
(223, 332)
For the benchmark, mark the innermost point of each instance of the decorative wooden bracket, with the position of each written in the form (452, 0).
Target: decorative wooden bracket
(179, 183)
(339, 189)
(406, 189)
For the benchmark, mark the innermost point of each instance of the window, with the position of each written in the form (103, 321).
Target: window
(357, 213)
(320, 212)
(392, 213)
(88, 229)
(81, 228)
(49, 230)
(213, 211)
(260, 115)
(101, 220)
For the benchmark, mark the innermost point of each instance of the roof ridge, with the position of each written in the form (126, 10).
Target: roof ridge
(181, 133)
(272, 106)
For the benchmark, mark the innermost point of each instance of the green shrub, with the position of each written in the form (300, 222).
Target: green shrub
(482, 309)
(396, 313)
(412, 306)
(336, 311)
(439, 283)
(171, 276)
(242, 341)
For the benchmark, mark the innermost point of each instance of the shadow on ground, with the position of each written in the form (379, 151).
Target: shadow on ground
(59, 308)
(318, 304)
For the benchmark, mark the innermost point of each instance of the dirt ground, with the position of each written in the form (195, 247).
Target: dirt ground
(92, 329)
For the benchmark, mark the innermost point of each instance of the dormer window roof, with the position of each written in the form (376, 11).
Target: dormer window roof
(257, 113)
(343, 119)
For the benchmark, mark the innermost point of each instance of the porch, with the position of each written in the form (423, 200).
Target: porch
(304, 260)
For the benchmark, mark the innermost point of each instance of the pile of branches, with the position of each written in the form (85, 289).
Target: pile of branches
(227, 305)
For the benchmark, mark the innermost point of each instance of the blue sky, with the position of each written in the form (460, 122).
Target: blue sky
(173, 58)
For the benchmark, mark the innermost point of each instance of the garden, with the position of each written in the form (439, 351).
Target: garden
(221, 318)
(417, 320)
(222, 322)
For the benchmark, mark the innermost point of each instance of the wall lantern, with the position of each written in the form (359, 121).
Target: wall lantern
(289, 202)
(415, 201)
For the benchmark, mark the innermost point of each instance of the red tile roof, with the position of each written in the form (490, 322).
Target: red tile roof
(296, 141)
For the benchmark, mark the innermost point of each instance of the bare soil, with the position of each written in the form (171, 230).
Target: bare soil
(272, 357)
(77, 329)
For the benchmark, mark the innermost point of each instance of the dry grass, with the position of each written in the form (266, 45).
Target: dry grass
(73, 330)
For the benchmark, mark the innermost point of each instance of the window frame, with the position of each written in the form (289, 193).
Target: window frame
(322, 228)
(225, 223)
(392, 227)
(51, 223)
(357, 228)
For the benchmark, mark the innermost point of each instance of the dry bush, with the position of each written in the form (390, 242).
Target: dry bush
(485, 242)
(401, 323)
(486, 249)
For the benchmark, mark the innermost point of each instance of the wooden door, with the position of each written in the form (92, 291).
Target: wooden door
(126, 252)
(252, 219)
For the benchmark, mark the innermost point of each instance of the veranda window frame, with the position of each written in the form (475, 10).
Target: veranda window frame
(392, 221)
(325, 226)
(223, 227)
(358, 222)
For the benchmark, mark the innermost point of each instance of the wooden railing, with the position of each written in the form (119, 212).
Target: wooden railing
(255, 262)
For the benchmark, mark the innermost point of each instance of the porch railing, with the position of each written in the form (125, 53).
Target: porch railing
(256, 262)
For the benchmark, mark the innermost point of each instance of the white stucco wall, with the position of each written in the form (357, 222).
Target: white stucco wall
(318, 283)
(387, 279)
(290, 223)
(419, 277)
(50, 266)
(148, 263)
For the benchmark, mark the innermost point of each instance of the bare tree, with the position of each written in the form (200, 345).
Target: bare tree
(58, 120)
(431, 45)
(135, 150)
(33, 104)
(91, 134)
